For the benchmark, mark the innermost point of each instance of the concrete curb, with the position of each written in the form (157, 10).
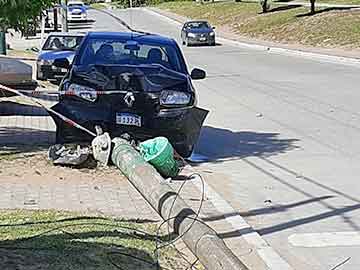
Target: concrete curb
(326, 58)
(18, 58)
(270, 257)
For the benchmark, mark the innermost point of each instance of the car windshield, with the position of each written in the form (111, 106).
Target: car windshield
(198, 25)
(75, 4)
(112, 51)
(62, 43)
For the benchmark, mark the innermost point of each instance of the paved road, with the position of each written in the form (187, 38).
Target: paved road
(282, 141)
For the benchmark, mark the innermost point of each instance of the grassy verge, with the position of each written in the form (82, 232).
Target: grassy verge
(62, 240)
(291, 25)
(98, 5)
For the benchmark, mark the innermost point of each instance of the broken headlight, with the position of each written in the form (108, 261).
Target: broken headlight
(83, 92)
(169, 97)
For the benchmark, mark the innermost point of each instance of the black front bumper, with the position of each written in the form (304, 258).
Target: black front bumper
(48, 72)
(181, 126)
(198, 40)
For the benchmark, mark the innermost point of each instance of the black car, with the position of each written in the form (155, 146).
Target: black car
(57, 45)
(130, 83)
(197, 33)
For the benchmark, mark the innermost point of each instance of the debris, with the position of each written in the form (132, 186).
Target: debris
(101, 147)
(259, 115)
(37, 172)
(61, 155)
(96, 188)
(160, 153)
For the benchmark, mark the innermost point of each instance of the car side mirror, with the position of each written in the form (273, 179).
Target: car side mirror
(198, 74)
(61, 63)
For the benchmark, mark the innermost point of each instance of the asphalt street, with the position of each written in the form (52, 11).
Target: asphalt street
(281, 143)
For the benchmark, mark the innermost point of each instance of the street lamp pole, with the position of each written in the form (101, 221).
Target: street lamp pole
(65, 19)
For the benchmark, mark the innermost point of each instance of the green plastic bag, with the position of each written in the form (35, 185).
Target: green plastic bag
(160, 153)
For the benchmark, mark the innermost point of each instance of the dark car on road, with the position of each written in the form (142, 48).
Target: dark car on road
(130, 83)
(198, 33)
(57, 45)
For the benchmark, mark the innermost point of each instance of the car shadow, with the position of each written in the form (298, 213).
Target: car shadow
(217, 144)
(10, 108)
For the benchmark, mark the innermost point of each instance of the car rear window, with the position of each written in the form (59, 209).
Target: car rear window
(62, 43)
(112, 51)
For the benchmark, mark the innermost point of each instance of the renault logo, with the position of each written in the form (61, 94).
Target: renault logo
(129, 99)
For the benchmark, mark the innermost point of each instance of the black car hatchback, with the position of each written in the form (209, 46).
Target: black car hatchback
(130, 83)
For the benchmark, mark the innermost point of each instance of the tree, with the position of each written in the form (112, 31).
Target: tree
(265, 5)
(312, 6)
(18, 14)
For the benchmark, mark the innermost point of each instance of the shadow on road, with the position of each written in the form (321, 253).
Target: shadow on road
(218, 144)
(10, 108)
(14, 140)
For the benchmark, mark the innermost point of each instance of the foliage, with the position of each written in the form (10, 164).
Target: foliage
(18, 14)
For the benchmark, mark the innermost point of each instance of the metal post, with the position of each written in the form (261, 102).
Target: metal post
(2, 42)
(200, 239)
(56, 19)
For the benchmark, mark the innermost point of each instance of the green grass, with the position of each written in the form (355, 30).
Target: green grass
(325, 29)
(62, 240)
(98, 5)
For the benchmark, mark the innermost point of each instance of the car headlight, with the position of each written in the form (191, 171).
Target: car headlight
(83, 92)
(212, 34)
(192, 35)
(169, 97)
(44, 62)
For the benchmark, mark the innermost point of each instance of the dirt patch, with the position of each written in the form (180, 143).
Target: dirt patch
(35, 167)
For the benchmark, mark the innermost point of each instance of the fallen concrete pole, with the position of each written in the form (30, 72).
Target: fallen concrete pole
(200, 239)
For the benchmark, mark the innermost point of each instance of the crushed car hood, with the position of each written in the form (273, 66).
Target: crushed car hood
(147, 78)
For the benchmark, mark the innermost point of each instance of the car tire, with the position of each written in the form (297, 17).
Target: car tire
(59, 138)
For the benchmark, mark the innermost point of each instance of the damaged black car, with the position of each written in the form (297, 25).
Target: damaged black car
(126, 82)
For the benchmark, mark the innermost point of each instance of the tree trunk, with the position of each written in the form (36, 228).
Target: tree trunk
(312, 10)
(264, 6)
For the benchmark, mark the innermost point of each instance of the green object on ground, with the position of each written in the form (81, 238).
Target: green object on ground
(160, 154)
(2, 43)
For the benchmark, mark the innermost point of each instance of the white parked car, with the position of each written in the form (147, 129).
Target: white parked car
(77, 11)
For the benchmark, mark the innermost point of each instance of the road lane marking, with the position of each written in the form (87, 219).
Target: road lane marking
(326, 239)
(269, 256)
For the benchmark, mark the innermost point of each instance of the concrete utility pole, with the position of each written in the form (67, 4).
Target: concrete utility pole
(64, 16)
(200, 239)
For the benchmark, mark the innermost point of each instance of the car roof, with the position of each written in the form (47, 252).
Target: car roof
(68, 34)
(198, 21)
(133, 35)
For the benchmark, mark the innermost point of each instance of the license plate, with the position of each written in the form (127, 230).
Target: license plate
(128, 119)
(202, 39)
